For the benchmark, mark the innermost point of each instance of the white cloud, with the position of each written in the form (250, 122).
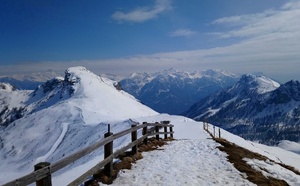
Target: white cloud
(182, 32)
(142, 14)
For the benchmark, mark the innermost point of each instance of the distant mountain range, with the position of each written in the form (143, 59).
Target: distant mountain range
(172, 91)
(256, 108)
(29, 81)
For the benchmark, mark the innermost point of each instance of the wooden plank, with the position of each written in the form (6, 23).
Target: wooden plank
(69, 159)
(97, 167)
(160, 125)
(77, 155)
(45, 177)
(161, 133)
(91, 171)
(128, 131)
(31, 177)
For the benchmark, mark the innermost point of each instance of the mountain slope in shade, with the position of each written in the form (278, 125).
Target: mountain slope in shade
(172, 91)
(254, 108)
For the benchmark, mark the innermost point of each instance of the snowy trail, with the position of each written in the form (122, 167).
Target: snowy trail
(56, 144)
(193, 159)
(183, 162)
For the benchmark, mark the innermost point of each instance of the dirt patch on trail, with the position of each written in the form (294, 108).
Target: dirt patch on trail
(236, 155)
(127, 159)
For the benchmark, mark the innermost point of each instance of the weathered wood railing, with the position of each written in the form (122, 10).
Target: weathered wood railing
(212, 133)
(42, 174)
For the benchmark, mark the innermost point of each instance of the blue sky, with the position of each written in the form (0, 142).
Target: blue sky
(122, 37)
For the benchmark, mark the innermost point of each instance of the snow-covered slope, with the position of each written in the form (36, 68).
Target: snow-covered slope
(63, 116)
(256, 108)
(172, 91)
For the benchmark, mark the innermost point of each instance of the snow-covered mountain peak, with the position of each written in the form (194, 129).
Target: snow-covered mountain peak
(93, 98)
(6, 87)
(139, 75)
(99, 95)
(261, 84)
(170, 71)
(217, 73)
(173, 74)
(266, 84)
(211, 72)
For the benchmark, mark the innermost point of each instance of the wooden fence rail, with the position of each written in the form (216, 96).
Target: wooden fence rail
(42, 174)
(212, 133)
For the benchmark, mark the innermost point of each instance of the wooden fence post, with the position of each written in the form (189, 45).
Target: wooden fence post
(219, 133)
(108, 150)
(44, 181)
(157, 130)
(134, 149)
(144, 133)
(214, 131)
(166, 130)
(165, 122)
(171, 130)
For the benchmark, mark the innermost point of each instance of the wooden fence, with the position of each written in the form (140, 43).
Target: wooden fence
(42, 171)
(212, 131)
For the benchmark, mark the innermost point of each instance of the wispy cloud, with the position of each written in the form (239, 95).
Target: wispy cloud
(182, 32)
(274, 24)
(243, 19)
(142, 14)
